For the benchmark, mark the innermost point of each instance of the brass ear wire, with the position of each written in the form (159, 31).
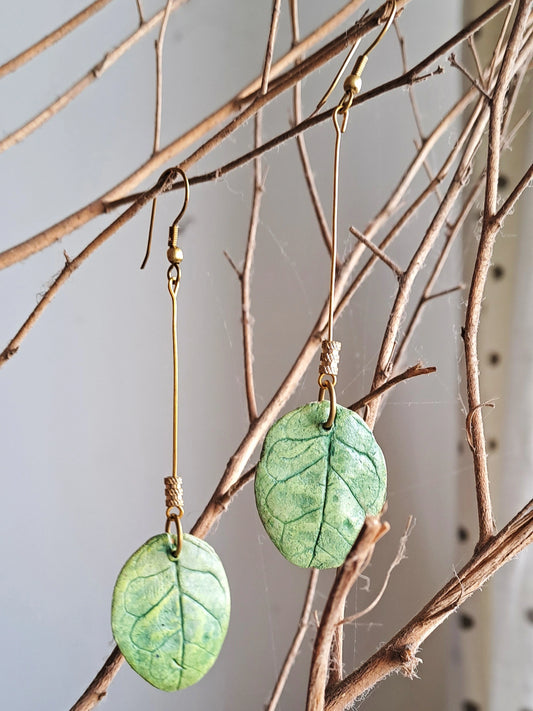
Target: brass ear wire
(173, 229)
(173, 483)
(353, 82)
(329, 360)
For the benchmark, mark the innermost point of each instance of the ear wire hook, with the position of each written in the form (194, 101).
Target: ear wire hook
(173, 229)
(353, 82)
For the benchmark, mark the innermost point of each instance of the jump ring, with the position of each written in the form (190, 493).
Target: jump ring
(174, 518)
(329, 385)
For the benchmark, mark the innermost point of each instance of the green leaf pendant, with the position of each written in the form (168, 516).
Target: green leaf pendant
(170, 615)
(313, 487)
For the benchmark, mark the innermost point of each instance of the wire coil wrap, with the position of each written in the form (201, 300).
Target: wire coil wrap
(329, 358)
(173, 493)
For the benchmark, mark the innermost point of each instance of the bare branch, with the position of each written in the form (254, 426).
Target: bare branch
(472, 46)
(50, 39)
(489, 231)
(140, 11)
(412, 372)
(399, 654)
(233, 265)
(159, 75)
(400, 555)
(97, 689)
(469, 417)
(71, 266)
(509, 204)
(267, 64)
(99, 206)
(378, 252)
(92, 75)
(296, 642)
(246, 317)
(464, 71)
(386, 360)
(357, 560)
(302, 147)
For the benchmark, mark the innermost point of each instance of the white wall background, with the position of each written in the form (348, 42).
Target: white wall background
(85, 403)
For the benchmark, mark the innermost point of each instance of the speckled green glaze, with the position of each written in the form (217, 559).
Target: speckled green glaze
(170, 616)
(313, 487)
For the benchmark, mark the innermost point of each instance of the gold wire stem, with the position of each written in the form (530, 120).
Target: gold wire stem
(332, 273)
(174, 276)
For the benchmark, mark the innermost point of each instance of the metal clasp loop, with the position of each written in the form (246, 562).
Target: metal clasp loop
(174, 518)
(326, 382)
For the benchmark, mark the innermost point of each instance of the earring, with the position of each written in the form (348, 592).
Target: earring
(171, 602)
(321, 470)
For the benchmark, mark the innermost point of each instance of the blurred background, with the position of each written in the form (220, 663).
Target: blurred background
(86, 408)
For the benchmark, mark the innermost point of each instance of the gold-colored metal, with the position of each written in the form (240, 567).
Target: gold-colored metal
(175, 519)
(329, 385)
(174, 494)
(173, 229)
(338, 76)
(329, 358)
(339, 130)
(174, 276)
(353, 82)
(173, 483)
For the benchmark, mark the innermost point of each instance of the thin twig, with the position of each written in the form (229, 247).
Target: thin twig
(158, 106)
(267, 64)
(91, 76)
(510, 202)
(51, 38)
(415, 110)
(473, 49)
(464, 71)
(414, 106)
(140, 11)
(302, 147)
(296, 642)
(246, 317)
(97, 689)
(159, 75)
(412, 372)
(400, 555)
(380, 254)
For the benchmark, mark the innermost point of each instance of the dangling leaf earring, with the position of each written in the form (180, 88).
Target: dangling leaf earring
(171, 602)
(321, 471)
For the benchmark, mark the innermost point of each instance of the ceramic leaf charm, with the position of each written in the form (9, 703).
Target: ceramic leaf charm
(314, 486)
(171, 602)
(170, 615)
(321, 470)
